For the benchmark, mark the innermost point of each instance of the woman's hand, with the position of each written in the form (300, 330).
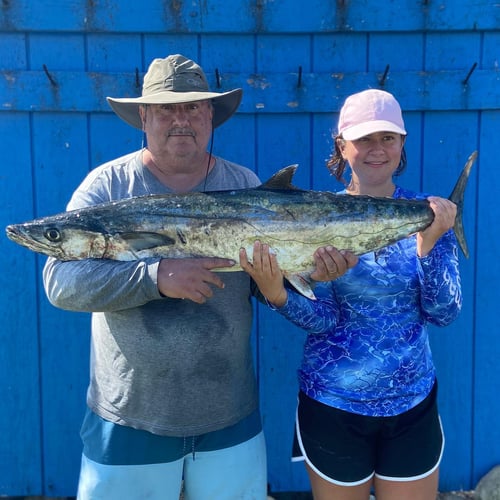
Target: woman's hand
(445, 212)
(265, 271)
(332, 263)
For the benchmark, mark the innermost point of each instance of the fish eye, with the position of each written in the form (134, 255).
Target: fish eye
(53, 234)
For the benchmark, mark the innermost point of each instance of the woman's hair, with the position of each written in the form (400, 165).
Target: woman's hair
(337, 165)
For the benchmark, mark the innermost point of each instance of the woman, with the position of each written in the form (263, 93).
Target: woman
(367, 415)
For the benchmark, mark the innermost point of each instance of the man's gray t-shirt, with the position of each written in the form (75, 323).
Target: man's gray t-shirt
(168, 366)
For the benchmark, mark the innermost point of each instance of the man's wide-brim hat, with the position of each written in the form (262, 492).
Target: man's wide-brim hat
(176, 80)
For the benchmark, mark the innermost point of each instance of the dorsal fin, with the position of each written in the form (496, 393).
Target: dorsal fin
(281, 179)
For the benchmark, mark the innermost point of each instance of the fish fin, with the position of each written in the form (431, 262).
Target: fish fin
(457, 197)
(302, 283)
(144, 240)
(281, 179)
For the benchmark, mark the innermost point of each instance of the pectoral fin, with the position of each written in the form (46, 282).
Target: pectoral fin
(302, 283)
(138, 241)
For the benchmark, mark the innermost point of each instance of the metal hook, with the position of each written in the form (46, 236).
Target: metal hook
(299, 78)
(217, 77)
(49, 76)
(384, 76)
(466, 81)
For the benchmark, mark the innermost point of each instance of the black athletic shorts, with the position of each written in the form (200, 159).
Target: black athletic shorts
(348, 449)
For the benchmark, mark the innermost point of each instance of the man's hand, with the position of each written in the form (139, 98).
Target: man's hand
(190, 278)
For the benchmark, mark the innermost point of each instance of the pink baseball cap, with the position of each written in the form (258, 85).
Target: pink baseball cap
(370, 111)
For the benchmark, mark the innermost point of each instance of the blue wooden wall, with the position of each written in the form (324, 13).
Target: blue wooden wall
(59, 59)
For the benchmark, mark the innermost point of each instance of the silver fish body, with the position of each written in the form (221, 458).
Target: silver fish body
(293, 222)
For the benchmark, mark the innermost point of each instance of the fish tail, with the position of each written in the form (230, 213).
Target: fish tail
(457, 197)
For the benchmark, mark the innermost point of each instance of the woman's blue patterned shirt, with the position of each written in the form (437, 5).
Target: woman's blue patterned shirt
(367, 349)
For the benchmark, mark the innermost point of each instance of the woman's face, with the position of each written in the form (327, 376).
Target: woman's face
(373, 160)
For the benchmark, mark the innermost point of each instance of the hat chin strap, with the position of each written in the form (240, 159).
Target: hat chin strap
(209, 159)
(143, 121)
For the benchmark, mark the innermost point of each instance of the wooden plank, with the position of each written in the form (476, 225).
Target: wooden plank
(486, 432)
(120, 52)
(330, 52)
(278, 150)
(264, 93)
(54, 55)
(384, 58)
(245, 16)
(444, 157)
(60, 159)
(33, 16)
(452, 52)
(330, 58)
(20, 417)
(117, 16)
(280, 355)
(65, 359)
(475, 15)
(343, 16)
(13, 51)
(219, 16)
(323, 128)
(60, 163)
(109, 138)
(283, 54)
(489, 57)
(411, 178)
(235, 141)
(279, 351)
(228, 55)
(292, 17)
(441, 90)
(162, 45)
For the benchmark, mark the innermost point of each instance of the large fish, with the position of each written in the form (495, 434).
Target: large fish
(292, 221)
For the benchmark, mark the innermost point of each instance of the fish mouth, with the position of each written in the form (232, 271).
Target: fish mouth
(17, 235)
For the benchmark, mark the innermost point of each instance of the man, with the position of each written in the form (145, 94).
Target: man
(172, 394)
(172, 391)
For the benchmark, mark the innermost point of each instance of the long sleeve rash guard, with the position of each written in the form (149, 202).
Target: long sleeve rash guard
(367, 349)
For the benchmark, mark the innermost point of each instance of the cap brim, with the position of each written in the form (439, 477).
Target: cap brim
(367, 128)
(225, 104)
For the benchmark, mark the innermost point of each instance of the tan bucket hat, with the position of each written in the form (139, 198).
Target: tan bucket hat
(175, 80)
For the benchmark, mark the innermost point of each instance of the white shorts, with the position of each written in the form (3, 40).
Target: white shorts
(237, 472)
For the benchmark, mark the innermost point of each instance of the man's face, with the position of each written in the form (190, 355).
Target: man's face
(178, 130)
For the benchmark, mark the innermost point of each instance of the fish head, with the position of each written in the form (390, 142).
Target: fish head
(56, 238)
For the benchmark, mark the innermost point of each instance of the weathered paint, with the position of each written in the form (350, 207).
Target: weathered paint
(58, 64)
